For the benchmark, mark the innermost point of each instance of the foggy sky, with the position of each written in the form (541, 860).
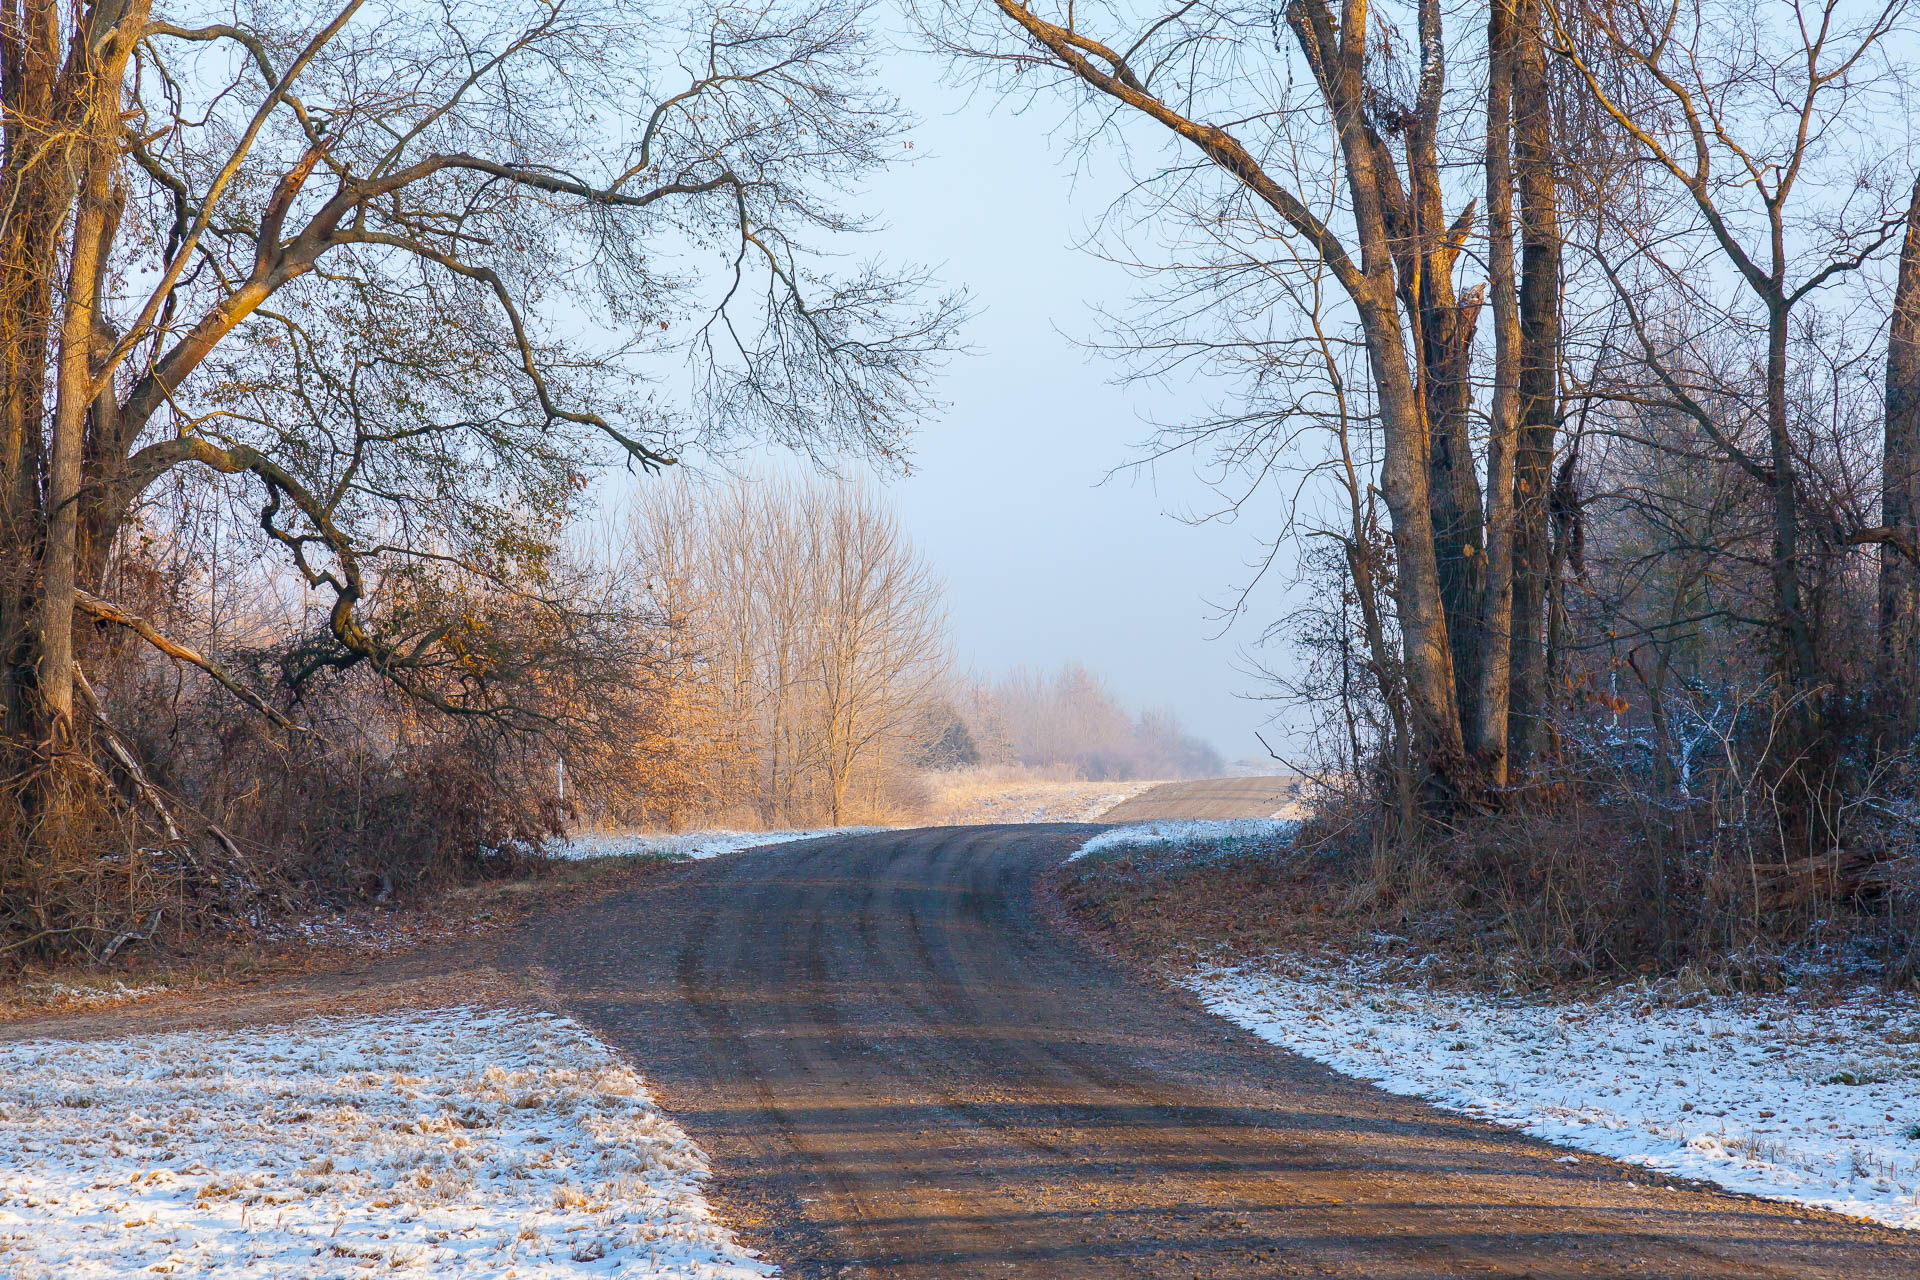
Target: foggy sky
(1045, 562)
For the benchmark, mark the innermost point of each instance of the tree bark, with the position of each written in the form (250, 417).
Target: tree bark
(1800, 668)
(1496, 610)
(33, 205)
(97, 62)
(53, 624)
(1900, 489)
(1427, 248)
(1339, 65)
(1539, 376)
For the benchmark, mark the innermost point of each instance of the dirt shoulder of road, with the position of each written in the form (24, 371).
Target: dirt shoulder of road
(423, 954)
(1164, 905)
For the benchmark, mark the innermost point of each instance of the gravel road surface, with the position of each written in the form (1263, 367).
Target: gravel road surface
(905, 1066)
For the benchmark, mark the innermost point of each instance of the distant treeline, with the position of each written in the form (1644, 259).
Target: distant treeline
(1071, 718)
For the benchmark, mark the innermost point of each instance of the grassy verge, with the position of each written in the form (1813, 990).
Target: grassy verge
(323, 940)
(1465, 923)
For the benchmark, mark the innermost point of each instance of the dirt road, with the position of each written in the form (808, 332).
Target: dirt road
(1211, 798)
(903, 1068)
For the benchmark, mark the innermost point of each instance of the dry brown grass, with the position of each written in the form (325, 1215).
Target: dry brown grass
(1017, 793)
(404, 932)
(1581, 893)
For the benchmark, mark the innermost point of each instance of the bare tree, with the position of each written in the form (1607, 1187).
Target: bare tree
(1750, 123)
(403, 279)
(1071, 719)
(823, 628)
(1535, 349)
(1372, 216)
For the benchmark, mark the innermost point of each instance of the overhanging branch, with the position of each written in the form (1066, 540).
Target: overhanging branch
(94, 607)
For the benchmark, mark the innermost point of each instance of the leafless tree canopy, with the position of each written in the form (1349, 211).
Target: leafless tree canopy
(398, 279)
(1070, 719)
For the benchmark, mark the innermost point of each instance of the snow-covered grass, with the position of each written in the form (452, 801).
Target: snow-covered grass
(686, 844)
(1221, 834)
(462, 1142)
(1780, 1096)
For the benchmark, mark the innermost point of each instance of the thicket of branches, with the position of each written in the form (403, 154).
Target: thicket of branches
(1577, 345)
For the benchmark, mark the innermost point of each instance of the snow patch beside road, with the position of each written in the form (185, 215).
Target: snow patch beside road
(688, 844)
(461, 1143)
(1222, 833)
(1773, 1095)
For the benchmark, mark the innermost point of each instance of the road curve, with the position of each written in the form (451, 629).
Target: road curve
(902, 1068)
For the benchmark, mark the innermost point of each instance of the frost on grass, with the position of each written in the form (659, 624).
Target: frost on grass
(1768, 1095)
(1224, 835)
(688, 844)
(461, 1143)
(38, 996)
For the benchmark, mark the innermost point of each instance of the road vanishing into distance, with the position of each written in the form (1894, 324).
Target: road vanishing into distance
(903, 1065)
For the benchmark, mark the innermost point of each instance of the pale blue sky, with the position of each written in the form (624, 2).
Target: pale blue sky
(1043, 561)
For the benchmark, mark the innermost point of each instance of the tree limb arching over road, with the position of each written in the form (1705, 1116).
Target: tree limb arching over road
(904, 1068)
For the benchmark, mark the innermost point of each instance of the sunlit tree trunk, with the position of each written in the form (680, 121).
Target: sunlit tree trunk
(63, 139)
(1427, 248)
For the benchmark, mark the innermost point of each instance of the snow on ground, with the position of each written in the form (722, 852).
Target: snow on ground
(1221, 834)
(457, 1143)
(1775, 1095)
(687, 844)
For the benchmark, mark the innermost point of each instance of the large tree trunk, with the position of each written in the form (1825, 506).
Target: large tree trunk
(1799, 665)
(1459, 538)
(1496, 609)
(33, 204)
(1539, 376)
(1406, 479)
(1336, 50)
(97, 67)
(53, 623)
(1427, 247)
(1900, 490)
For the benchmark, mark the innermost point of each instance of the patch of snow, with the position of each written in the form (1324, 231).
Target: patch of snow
(463, 1142)
(1188, 832)
(688, 844)
(1770, 1095)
